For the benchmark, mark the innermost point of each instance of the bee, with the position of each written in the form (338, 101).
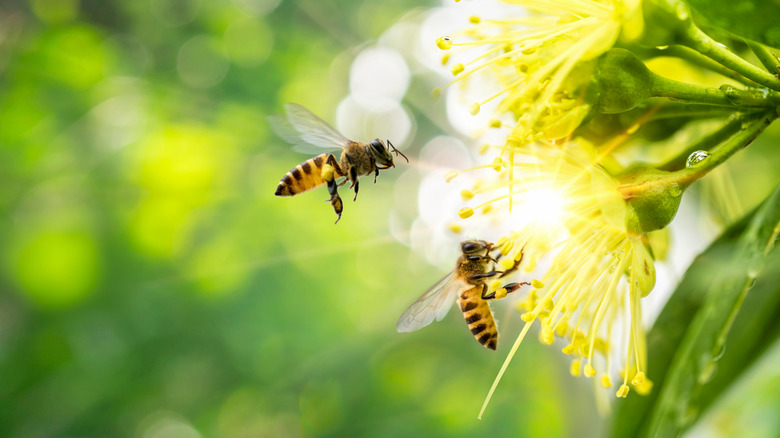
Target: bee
(357, 158)
(466, 282)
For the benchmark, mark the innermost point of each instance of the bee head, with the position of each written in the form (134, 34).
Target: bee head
(381, 153)
(472, 247)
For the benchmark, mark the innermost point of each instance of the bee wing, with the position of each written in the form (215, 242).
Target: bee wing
(300, 127)
(433, 304)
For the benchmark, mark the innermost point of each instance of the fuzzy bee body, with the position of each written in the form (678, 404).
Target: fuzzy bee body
(357, 158)
(466, 284)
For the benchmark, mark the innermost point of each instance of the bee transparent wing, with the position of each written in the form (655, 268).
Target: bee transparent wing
(302, 128)
(435, 303)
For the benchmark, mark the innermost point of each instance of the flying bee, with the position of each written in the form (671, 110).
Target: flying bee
(466, 282)
(357, 158)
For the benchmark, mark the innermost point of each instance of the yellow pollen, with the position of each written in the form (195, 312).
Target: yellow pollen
(507, 247)
(561, 329)
(605, 382)
(638, 378)
(444, 42)
(507, 263)
(537, 284)
(445, 58)
(497, 164)
(645, 387)
(547, 335)
(622, 391)
(466, 212)
(528, 316)
(327, 172)
(589, 370)
(466, 194)
(474, 109)
(456, 228)
(451, 175)
(569, 349)
(574, 369)
(494, 123)
(500, 293)
(436, 93)
(457, 68)
(474, 19)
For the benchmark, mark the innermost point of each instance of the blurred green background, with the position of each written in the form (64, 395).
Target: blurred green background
(153, 286)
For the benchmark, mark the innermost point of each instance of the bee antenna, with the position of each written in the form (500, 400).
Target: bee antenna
(397, 152)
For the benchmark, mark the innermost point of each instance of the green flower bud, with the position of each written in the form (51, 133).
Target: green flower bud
(623, 81)
(652, 201)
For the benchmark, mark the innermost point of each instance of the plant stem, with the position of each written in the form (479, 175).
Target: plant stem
(687, 176)
(673, 110)
(766, 56)
(726, 95)
(706, 143)
(700, 60)
(701, 42)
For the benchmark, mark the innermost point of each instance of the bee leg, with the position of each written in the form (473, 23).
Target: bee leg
(511, 287)
(376, 174)
(353, 176)
(335, 199)
(485, 275)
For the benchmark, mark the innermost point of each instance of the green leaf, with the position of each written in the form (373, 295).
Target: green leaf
(699, 344)
(755, 20)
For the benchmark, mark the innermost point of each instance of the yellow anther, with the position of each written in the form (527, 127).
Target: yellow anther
(474, 109)
(589, 370)
(457, 68)
(507, 247)
(494, 123)
(327, 172)
(605, 382)
(569, 349)
(466, 194)
(474, 19)
(528, 316)
(547, 335)
(466, 212)
(486, 209)
(500, 293)
(638, 378)
(484, 148)
(451, 175)
(497, 163)
(507, 263)
(444, 42)
(644, 388)
(622, 391)
(456, 228)
(445, 59)
(574, 369)
(548, 304)
(561, 328)
(436, 93)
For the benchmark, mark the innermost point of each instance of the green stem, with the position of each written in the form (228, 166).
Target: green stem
(706, 143)
(685, 177)
(700, 60)
(673, 110)
(701, 42)
(726, 95)
(766, 56)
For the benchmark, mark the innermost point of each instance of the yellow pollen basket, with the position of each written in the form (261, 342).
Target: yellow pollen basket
(327, 172)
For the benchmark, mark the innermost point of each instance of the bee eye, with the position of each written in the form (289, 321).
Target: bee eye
(378, 146)
(469, 247)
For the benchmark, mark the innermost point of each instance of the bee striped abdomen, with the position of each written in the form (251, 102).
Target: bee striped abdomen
(303, 177)
(479, 317)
